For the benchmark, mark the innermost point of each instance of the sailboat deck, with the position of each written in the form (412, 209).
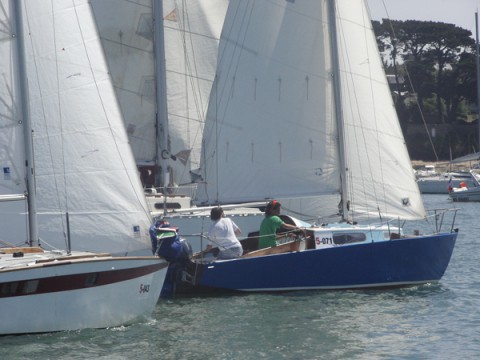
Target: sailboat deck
(316, 238)
(18, 258)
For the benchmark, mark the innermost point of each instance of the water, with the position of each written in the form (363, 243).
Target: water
(436, 321)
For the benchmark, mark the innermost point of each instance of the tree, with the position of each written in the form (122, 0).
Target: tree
(458, 85)
(438, 61)
(448, 43)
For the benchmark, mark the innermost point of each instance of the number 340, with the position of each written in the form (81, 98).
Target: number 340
(144, 288)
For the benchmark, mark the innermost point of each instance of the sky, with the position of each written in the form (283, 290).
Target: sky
(458, 12)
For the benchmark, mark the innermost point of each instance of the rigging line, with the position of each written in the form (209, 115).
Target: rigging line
(339, 114)
(8, 105)
(191, 74)
(197, 96)
(367, 30)
(8, 244)
(346, 62)
(44, 117)
(411, 86)
(213, 241)
(244, 19)
(48, 245)
(61, 129)
(341, 36)
(216, 144)
(114, 138)
(182, 28)
(358, 142)
(236, 54)
(27, 222)
(306, 217)
(205, 173)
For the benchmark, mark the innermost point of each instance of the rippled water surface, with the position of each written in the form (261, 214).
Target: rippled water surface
(435, 321)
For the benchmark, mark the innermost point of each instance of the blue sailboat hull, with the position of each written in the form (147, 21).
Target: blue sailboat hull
(394, 263)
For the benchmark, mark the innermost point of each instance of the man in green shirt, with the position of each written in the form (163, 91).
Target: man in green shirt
(270, 225)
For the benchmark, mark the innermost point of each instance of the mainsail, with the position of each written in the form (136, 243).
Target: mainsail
(280, 108)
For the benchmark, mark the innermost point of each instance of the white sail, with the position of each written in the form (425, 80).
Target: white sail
(126, 32)
(11, 130)
(83, 161)
(272, 129)
(263, 120)
(379, 168)
(192, 32)
(12, 155)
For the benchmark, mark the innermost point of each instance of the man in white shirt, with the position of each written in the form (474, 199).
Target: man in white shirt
(223, 233)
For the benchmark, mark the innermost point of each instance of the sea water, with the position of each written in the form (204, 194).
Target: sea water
(432, 321)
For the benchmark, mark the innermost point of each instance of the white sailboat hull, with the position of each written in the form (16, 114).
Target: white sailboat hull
(439, 184)
(72, 294)
(470, 191)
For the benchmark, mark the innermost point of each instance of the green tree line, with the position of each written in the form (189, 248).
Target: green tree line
(432, 73)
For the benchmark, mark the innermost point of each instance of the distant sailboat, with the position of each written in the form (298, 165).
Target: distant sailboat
(301, 112)
(468, 189)
(69, 181)
(471, 191)
(441, 183)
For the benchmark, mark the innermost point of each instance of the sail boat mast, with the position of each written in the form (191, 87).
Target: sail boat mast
(27, 126)
(163, 151)
(338, 105)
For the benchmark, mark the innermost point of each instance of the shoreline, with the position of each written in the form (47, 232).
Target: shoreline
(444, 166)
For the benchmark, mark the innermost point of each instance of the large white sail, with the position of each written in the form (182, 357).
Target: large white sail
(83, 161)
(264, 116)
(12, 156)
(380, 176)
(192, 31)
(272, 129)
(126, 32)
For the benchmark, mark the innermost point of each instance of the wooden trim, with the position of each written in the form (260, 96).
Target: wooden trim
(283, 248)
(24, 249)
